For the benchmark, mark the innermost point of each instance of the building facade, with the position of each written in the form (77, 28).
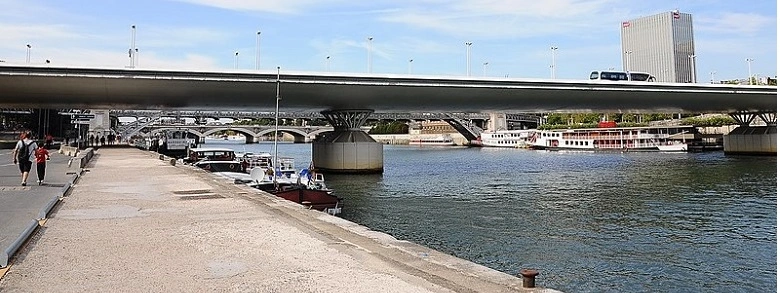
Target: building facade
(661, 45)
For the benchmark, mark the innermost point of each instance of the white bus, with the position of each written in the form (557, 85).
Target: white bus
(621, 75)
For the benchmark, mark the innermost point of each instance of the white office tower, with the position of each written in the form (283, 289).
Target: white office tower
(661, 45)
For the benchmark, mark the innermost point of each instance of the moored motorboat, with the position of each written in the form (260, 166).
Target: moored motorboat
(214, 160)
(306, 188)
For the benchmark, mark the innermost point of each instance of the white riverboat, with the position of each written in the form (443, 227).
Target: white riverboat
(664, 139)
(506, 138)
(432, 140)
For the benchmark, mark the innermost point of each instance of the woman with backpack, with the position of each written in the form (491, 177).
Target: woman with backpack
(23, 151)
(41, 156)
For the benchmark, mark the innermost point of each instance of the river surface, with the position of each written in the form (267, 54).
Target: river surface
(589, 222)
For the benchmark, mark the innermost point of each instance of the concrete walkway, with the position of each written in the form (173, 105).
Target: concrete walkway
(22, 206)
(134, 223)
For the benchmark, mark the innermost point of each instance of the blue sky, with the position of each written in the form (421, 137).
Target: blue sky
(513, 36)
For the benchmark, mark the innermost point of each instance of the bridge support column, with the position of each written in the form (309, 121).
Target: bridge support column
(752, 140)
(299, 139)
(347, 149)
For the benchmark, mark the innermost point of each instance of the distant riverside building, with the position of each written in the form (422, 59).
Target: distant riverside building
(436, 127)
(661, 45)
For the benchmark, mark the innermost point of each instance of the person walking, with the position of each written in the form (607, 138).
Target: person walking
(23, 151)
(41, 156)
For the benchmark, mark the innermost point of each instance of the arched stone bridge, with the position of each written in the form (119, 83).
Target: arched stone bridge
(253, 133)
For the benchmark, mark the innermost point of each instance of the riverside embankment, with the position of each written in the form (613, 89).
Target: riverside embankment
(134, 223)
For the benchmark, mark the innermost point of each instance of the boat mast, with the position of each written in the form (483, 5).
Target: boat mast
(276, 127)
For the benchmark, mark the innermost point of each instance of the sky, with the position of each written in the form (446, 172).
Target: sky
(514, 37)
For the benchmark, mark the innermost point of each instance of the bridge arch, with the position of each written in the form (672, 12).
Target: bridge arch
(246, 132)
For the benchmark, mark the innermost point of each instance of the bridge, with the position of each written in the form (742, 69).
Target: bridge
(62, 87)
(252, 133)
(346, 100)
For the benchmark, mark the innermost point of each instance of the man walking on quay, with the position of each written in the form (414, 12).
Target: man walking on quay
(24, 150)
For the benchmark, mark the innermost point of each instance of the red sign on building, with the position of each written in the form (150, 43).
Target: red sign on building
(626, 24)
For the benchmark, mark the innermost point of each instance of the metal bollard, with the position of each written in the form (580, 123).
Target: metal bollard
(162, 157)
(173, 162)
(529, 277)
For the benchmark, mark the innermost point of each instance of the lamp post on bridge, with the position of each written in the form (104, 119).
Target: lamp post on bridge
(133, 51)
(257, 51)
(410, 65)
(693, 67)
(235, 61)
(750, 72)
(468, 58)
(327, 63)
(370, 41)
(484, 69)
(627, 64)
(28, 53)
(552, 67)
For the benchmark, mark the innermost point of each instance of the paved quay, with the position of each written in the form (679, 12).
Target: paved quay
(135, 223)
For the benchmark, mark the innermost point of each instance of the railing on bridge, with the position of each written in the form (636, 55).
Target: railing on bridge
(416, 116)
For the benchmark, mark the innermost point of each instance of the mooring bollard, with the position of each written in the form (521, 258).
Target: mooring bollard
(162, 157)
(173, 162)
(529, 277)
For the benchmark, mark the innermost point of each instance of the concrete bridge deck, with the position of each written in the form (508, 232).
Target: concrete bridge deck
(134, 223)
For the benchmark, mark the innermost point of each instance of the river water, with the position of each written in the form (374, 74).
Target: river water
(589, 222)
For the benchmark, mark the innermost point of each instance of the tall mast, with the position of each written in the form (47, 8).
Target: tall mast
(276, 127)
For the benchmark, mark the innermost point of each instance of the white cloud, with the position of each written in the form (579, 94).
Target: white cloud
(509, 18)
(273, 6)
(735, 23)
(66, 45)
(169, 37)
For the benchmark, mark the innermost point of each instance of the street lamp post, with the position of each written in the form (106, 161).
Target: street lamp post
(627, 64)
(468, 58)
(327, 63)
(693, 67)
(552, 67)
(235, 61)
(750, 71)
(370, 39)
(410, 65)
(484, 69)
(257, 51)
(28, 53)
(133, 50)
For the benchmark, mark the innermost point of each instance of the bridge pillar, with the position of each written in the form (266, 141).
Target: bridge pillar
(347, 149)
(752, 140)
(299, 139)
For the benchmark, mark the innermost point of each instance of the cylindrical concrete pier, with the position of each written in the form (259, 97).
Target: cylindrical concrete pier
(751, 140)
(347, 152)
(347, 149)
